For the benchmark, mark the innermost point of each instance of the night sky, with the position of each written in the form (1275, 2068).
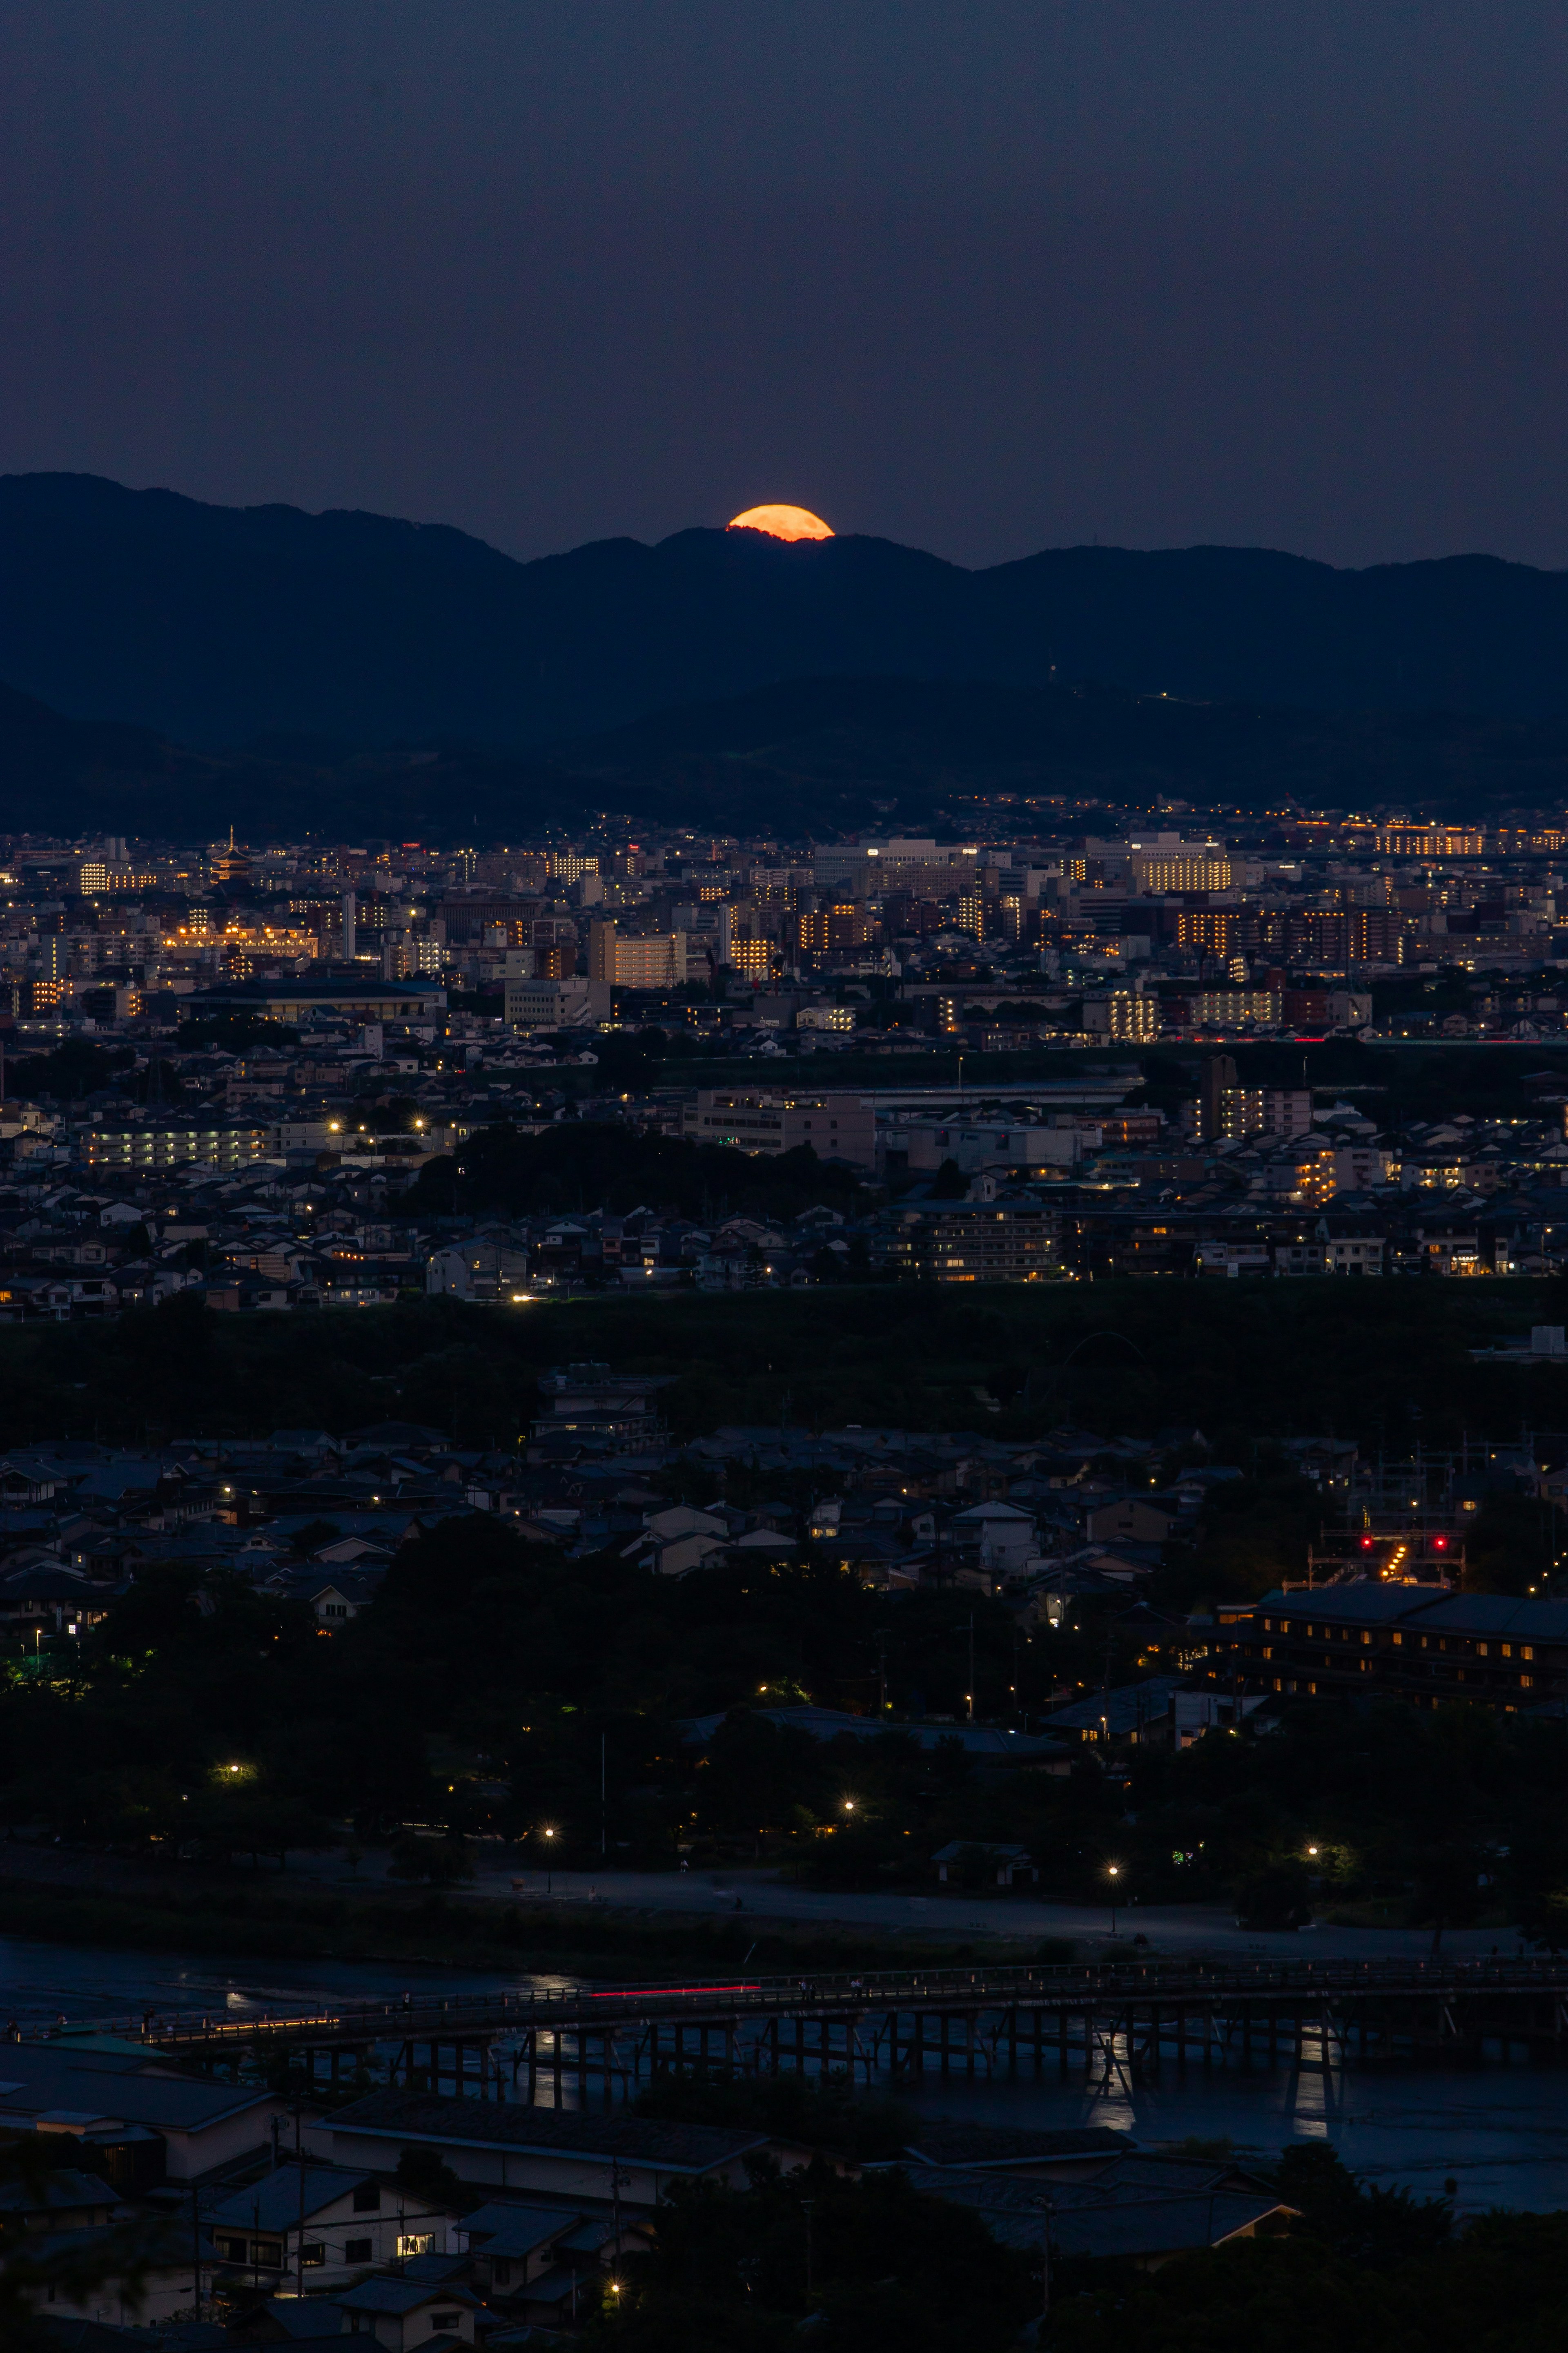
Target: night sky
(980, 275)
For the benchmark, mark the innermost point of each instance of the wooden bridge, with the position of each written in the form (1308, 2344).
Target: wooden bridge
(1104, 2021)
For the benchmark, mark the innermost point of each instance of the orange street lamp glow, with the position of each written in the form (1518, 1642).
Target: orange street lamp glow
(783, 522)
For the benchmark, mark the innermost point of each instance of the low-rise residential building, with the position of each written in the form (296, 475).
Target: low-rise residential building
(835, 1126)
(326, 2221)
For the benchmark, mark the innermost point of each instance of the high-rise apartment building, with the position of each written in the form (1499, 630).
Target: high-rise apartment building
(656, 961)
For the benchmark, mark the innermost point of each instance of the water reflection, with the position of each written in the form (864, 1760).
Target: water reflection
(39, 1983)
(1500, 2132)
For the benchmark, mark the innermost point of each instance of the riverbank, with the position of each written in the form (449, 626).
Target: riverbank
(294, 1923)
(663, 1922)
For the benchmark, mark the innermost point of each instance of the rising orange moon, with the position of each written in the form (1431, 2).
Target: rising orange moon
(783, 522)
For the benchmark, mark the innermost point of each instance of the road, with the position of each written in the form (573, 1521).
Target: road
(768, 1898)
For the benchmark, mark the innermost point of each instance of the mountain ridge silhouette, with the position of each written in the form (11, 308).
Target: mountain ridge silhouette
(217, 626)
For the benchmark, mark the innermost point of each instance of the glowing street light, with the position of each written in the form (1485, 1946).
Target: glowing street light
(1113, 1873)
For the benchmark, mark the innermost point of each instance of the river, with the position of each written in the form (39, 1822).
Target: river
(1499, 2130)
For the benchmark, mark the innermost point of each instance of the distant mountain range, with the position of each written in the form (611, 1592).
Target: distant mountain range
(230, 628)
(816, 756)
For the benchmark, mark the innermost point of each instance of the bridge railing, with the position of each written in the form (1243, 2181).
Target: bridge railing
(1049, 1985)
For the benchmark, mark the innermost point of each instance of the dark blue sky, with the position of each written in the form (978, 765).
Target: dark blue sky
(982, 275)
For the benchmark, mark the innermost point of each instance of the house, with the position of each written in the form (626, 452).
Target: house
(1135, 1519)
(402, 2313)
(1090, 2220)
(41, 1591)
(354, 1551)
(163, 2276)
(69, 2213)
(1133, 1713)
(1133, 2208)
(681, 1520)
(572, 2287)
(974, 1863)
(336, 1602)
(26, 1480)
(115, 2099)
(1005, 1536)
(1196, 1712)
(512, 2245)
(551, 2152)
(349, 2222)
(766, 1542)
(318, 1445)
(675, 1556)
(68, 2200)
(517, 2252)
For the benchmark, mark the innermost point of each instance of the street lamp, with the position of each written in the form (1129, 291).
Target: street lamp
(1113, 1873)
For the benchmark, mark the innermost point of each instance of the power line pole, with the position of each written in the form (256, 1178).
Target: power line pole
(299, 2162)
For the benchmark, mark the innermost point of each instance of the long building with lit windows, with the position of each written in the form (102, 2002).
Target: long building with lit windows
(169, 1143)
(1421, 1643)
(991, 1241)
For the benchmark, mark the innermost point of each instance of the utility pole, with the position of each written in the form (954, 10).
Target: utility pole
(299, 2163)
(970, 1690)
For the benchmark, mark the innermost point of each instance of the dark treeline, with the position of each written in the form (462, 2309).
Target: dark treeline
(594, 1165)
(1246, 1363)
